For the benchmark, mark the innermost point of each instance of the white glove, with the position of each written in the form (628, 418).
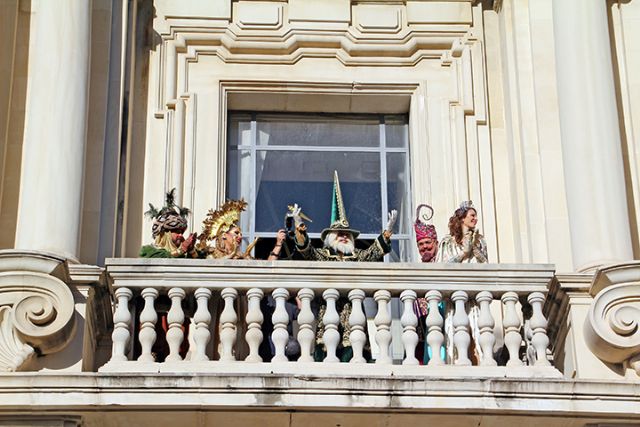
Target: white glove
(295, 213)
(391, 220)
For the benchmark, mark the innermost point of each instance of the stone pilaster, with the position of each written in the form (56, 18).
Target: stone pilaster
(49, 212)
(591, 144)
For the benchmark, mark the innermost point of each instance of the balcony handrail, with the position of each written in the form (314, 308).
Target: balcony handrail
(294, 275)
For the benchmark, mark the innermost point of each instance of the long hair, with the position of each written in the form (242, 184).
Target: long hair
(164, 241)
(455, 223)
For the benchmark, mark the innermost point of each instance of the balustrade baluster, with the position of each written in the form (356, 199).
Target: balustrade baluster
(254, 325)
(383, 326)
(228, 319)
(357, 322)
(435, 321)
(538, 323)
(148, 319)
(486, 324)
(280, 319)
(175, 318)
(330, 320)
(121, 325)
(409, 322)
(461, 337)
(511, 323)
(305, 325)
(201, 319)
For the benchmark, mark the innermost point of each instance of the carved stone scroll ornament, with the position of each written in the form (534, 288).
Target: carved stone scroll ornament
(37, 313)
(612, 326)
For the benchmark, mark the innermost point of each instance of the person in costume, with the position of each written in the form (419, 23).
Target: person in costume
(464, 243)
(339, 238)
(426, 235)
(169, 225)
(427, 241)
(221, 237)
(339, 245)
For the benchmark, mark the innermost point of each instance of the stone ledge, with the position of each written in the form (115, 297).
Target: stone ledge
(338, 370)
(534, 397)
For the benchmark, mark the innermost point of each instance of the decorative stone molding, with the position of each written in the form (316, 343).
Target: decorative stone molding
(37, 314)
(40, 421)
(566, 290)
(612, 327)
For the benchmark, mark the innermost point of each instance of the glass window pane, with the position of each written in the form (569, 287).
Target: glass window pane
(239, 174)
(400, 250)
(396, 131)
(322, 131)
(398, 191)
(306, 178)
(239, 129)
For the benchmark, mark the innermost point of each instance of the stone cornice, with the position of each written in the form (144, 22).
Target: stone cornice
(86, 274)
(34, 261)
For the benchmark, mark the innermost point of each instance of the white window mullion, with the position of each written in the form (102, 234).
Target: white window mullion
(407, 174)
(383, 175)
(253, 188)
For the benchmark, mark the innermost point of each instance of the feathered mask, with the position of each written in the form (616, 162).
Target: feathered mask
(170, 217)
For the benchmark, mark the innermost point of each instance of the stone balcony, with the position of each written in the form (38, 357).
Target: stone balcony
(169, 337)
(215, 307)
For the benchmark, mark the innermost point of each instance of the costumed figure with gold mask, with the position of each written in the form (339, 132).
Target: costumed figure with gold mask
(464, 243)
(339, 245)
(221, 237)
(169, 225)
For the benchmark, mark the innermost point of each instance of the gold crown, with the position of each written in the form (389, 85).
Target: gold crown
(222, 219)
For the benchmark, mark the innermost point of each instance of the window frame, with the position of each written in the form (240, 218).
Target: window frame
(382, 149)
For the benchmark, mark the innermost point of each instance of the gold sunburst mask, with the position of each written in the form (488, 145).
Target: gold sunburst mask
(222, 219)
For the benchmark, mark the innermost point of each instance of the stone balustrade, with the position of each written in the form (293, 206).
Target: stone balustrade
(211, 313)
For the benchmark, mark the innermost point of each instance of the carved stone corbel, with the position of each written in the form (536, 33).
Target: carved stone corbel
(612, 326)
(37, 313)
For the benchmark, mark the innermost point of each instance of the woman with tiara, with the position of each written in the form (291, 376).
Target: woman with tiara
(464, 243)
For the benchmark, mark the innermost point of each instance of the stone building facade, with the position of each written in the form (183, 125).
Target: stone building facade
(530, 108)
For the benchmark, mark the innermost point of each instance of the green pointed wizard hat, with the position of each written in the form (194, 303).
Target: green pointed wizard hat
(339, 220)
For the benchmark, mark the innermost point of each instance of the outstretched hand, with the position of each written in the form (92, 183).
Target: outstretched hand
(391, 220)
(295, 214)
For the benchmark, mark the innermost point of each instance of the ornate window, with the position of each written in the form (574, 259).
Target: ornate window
(277, 159)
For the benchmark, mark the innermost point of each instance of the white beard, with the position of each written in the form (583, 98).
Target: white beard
(331, 241)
